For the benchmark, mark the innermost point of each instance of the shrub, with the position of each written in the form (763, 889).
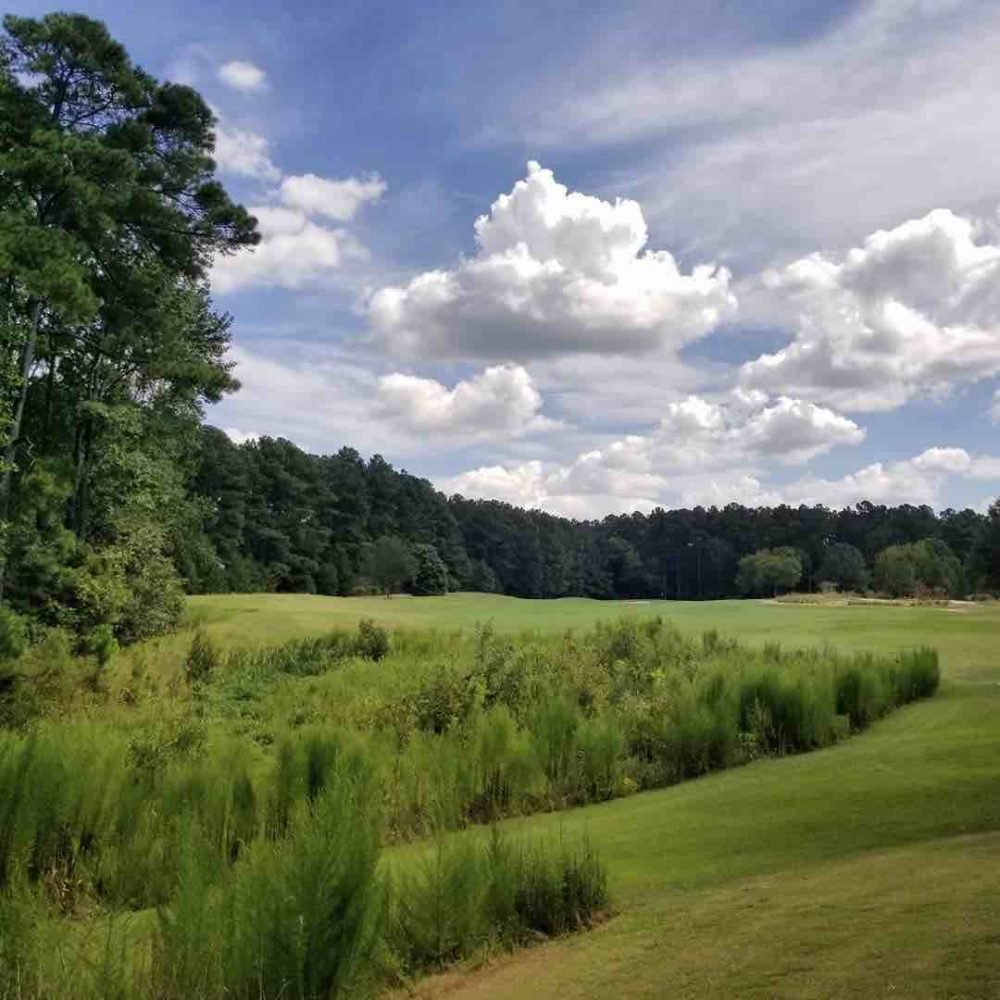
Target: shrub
(202, 658)
(13, 634)
(472, 894)
(300, 917)
(100, 642)
(372, 640)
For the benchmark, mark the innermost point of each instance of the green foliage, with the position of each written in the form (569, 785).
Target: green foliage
(299, 916)
(844, 566)
(101, 643)
(111, 216)
(473, 895)
(431, 575)
(927, 566)
(277, 518)
(769, 571)
(202, 658)
(13, 635)
(984, 557)
(372, 641)
(391, 563)
(896, 571)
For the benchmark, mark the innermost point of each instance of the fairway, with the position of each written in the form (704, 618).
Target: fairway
(866, 869)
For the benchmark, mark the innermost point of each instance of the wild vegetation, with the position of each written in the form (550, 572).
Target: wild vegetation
(244, 796)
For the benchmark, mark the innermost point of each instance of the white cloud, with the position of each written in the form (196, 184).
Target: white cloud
(244, 153)
(336, 199)
(921, 479)
(243, 76)
(239, 437)
(699, 447)
(320, 403)
(528, 484)
(500, 400)
(995, 408)
(555, 272)
(574, 490)
(881, 115)
(915, 310)
(294, 252)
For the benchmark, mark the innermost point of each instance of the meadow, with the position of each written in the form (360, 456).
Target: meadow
(195, 780)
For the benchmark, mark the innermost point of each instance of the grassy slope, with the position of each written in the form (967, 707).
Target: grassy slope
(821, 875)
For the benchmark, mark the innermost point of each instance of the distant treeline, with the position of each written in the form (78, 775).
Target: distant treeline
(277, 518)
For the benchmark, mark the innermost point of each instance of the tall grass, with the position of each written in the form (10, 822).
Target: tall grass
(473, 896)
(247, 806)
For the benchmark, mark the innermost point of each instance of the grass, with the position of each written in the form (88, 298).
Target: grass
(967, 635)
(867, 868)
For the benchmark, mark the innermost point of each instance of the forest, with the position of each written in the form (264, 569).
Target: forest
(280, 519)
(116, 498)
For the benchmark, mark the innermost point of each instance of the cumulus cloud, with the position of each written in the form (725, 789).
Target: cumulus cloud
(531, 484)
(244, 153)
(696, 446)
(294, 252)
(500, 400)
(914, 310)
(319, 402)
(915, 480)
(749, 425)
(335, 199)
(562, 489)
(243, 76)
(555, 272)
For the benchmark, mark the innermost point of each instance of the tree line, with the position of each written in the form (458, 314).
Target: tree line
(278, 518)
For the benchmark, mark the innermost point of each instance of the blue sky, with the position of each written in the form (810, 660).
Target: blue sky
(727, 251)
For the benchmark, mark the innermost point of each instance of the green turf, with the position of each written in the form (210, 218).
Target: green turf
(866, 869)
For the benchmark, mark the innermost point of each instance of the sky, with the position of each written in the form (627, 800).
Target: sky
(597, 258)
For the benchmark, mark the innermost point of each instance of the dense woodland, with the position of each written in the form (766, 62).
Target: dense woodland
(115, 499)
(278, 518)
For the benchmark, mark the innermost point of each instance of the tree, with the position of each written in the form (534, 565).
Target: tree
(938, 569)
(985, 555)
(431, 575)
(844, 566)
(929, 565)
(391, 563)
(110, 216)
(896, 571)
(769, 570)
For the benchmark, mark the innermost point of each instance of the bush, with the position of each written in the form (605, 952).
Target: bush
(100, 642)
(298, 917)
(372, 641)
(13, 635)
(202, 658)
(471, 895)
